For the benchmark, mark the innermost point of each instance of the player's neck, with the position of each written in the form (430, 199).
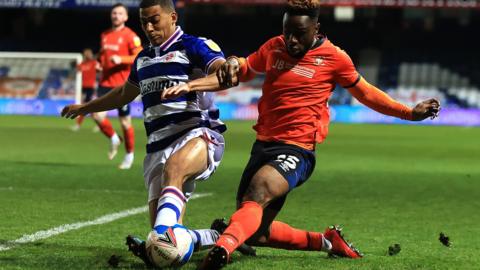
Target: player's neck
(119, 27)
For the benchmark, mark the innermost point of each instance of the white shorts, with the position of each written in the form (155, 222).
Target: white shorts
(154, 163)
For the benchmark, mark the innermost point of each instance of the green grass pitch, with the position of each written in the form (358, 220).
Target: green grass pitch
(385, 184)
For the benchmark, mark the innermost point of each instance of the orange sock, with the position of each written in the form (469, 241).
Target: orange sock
(243, 224)
(79, 119)
(285, 237)
(129, 136)
(106, 128)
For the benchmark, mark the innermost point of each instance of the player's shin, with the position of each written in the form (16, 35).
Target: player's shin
(106, 128)
(170, 207)
(204, 239)
(129, 135)
(286, 237)
(79, 120)
(243, 224)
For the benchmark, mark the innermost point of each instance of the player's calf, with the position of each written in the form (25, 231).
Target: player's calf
(220, 226)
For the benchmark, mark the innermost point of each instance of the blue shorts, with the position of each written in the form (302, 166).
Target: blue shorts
(88, 92)
(294, 163)
(123, 111)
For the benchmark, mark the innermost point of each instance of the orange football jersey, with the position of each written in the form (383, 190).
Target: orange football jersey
(121, 42)
(89, 73)
(294, 103)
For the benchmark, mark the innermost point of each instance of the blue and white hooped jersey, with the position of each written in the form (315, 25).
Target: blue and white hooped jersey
(178, 60)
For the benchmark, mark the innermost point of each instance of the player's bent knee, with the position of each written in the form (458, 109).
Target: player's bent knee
(258, 193)
(174, 174)
(125, 122)
(98, 117)
(264, 188)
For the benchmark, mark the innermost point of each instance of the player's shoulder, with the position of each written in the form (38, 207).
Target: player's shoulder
(128, 31)
(106, 32)
(337, 50)
(146, 52)
(194, 43)
(329, 50)
(276, 42)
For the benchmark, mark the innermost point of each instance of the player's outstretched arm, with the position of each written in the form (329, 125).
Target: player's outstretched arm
(209, 83)
(379, 101)
(116, 98)
(228, 75)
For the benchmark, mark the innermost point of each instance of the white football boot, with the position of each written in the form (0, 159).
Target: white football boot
(127, 162)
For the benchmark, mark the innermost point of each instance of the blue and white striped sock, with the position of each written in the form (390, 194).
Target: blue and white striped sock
(170, 206)
(203, 239)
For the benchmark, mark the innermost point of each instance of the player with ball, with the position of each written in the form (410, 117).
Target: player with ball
(185, 142)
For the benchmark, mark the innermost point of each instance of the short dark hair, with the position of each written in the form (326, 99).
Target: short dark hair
(164, 4)
(120, 5)
(310, 8)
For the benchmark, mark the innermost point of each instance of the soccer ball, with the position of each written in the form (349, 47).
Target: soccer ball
(169, 246)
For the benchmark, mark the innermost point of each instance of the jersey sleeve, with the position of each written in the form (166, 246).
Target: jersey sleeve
(133, 76)
(257, 61)
(134, 42)
(206, 51)
(346, 74)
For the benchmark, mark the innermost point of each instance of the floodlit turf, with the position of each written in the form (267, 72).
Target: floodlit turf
(384, 184)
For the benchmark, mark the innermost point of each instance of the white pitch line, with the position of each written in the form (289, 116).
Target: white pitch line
(28, 238)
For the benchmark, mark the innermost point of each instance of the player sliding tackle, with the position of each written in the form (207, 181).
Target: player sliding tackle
(302, 68)
(184, 134)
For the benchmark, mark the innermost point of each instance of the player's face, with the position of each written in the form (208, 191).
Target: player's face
(118, 16)
(299, 33)
(158, 24)
(87, 54)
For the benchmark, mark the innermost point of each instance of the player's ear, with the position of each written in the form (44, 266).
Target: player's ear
(174, 17)
(317, 28)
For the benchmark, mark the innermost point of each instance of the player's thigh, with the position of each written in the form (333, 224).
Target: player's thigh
(155, 162)
(189, 161)
(258, 158)
(87, 94)
(267, 184)
(124, 114)
(125, 121)
(273, 167)
(99, 116)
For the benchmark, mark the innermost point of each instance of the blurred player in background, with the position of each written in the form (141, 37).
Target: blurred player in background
(119, 46)
(88, 67)
(185, 143)
(302, 68)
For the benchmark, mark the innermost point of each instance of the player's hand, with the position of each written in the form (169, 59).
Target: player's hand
(117, 60)
(176, 91)
(227, 73)
(72, 111)
(98, 66)
(427, 108)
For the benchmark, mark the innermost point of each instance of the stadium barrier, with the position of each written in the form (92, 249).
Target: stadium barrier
(234, 111)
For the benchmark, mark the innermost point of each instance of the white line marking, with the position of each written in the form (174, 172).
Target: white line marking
(28, 238)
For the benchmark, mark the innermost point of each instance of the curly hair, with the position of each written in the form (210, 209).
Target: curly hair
(309, 8)
(303, 4)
